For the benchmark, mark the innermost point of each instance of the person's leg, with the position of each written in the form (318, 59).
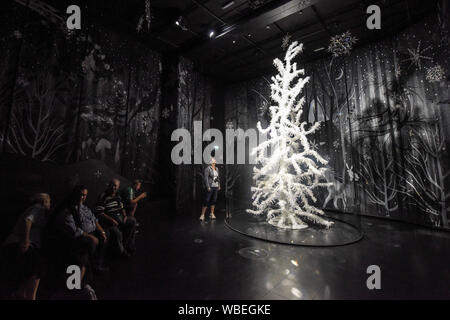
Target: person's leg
(202, 216)
(115, 242)
(99, 255)
(205, 204)
(91, 244)
(31, 287)
(87, 247)
(33, 269)
(213, 202)
(128, 228)
(131, 211)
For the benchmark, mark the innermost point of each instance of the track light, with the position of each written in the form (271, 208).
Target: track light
(226, 5)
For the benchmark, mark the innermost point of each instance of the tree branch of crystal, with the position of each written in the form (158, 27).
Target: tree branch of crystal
(286, 179)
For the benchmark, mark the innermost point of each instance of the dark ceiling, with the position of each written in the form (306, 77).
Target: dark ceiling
(248, 33)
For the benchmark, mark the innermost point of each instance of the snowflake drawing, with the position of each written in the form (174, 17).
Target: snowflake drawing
(370, 76)
(230, 124)
(165, 113)
(17, 34)
(416, 56)
(336, 144)
(435, 74)
(255, 4)
(304, 3)
(98, 174)
(285, 41)
(341, 44)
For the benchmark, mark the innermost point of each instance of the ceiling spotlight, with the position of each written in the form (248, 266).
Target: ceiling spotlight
(234, 41)
(181, 23)
(226, 5)
(211, 33)
(249, 35)
(268, 26)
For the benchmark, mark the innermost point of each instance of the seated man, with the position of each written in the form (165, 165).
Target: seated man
(131, 197)
(81, 227)
(114, 219)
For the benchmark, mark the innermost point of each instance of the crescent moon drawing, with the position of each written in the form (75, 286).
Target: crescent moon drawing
(340, 75)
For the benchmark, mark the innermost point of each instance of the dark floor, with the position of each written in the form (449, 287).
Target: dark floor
(184, 259)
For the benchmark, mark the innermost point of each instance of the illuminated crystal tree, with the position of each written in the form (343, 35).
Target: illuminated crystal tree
(286, 178)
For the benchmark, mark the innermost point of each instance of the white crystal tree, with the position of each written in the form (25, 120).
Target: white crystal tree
(286, 178)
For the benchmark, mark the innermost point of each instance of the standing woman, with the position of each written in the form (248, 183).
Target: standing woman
(212, 184)
(22, 261)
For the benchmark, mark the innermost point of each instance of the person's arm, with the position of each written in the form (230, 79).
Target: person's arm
(218, 177)
(101, 230)
(25, 242)
(71, 227)
(122, 208)
(100, 210)
(138, 198)
(98, 226)
(105, 217)
(206, 175)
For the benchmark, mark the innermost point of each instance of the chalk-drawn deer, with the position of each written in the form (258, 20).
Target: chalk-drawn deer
(336, 190)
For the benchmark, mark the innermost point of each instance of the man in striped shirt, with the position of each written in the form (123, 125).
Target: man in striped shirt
(112, 216)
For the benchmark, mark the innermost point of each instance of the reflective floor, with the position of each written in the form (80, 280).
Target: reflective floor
(185, 259)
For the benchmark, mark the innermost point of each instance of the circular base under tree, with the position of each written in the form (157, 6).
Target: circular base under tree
(290, 222)
(339, 234)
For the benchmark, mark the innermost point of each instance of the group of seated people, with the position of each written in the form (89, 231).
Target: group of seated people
(46, 241)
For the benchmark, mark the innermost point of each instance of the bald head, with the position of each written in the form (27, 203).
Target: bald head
(114, 185)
